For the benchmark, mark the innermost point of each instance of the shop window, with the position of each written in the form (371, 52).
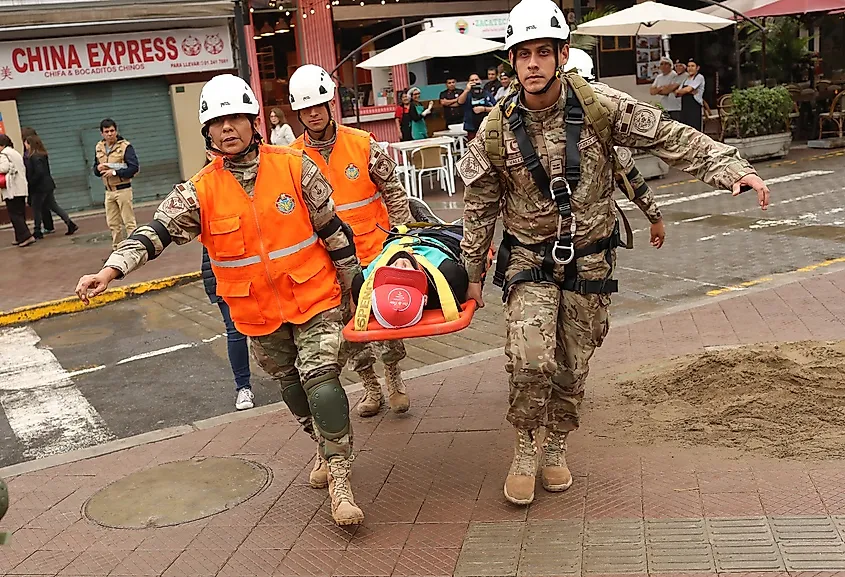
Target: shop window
(266, 63)
(616, 43)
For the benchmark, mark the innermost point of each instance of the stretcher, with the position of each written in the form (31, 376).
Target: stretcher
(451, 317)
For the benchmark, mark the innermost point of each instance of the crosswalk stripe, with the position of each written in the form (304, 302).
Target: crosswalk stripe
(45, 410)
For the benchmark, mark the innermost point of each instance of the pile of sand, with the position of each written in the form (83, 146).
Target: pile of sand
(781, 400)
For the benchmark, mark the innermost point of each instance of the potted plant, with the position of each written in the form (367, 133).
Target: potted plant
(759, 116)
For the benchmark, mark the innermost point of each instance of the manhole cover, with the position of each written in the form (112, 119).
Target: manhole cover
(177, 492)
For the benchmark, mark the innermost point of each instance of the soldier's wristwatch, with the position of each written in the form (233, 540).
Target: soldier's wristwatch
(114, 172)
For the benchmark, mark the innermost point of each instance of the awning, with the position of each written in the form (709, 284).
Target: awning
(790, 7)
(44, 18)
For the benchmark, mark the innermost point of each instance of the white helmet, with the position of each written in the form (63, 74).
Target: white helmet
(226, 94)
(309, 86)
(581, 63)
(533, 20)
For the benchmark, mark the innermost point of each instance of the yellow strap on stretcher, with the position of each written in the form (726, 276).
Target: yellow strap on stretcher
(365, 298)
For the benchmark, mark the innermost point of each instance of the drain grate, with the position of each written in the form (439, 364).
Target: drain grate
(551, 548)
(490, 550)
(809, 543)
(678, 546)
(612, 547)
(744, 544)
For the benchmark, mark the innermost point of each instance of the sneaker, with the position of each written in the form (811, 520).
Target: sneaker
(245, 399)
(49, 231)
(421, 212)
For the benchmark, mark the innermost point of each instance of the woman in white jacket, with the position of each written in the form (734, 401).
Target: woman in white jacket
(15, 191)
(281, 133)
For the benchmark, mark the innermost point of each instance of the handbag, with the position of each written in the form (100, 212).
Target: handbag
(3, 181)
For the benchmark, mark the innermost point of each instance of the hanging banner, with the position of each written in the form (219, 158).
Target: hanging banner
(54, 61)
(484, 25)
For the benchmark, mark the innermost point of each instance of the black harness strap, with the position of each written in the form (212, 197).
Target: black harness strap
(574, 118)
(561, 251)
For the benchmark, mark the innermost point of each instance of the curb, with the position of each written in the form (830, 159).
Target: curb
(68, 305)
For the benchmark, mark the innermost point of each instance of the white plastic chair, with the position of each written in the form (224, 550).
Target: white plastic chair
(429, 160)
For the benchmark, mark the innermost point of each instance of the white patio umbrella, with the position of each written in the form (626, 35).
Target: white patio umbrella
(431, 43)
(652, 19)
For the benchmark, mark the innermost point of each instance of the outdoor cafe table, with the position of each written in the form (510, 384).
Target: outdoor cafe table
(405, 148)
(458, 135)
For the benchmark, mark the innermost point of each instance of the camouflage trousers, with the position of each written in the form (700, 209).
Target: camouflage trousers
(299, 353)
(551, 336)
(391, 352)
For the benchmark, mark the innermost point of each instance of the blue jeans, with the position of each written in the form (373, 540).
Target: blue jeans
(238, 351)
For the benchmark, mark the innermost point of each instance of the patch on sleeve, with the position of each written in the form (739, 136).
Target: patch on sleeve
(644, 120)
(624, 154)
(381, 165)
(317, 189)
(474, 164)
(309, 171)
(178, 202)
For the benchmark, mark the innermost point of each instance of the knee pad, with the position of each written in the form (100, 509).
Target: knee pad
(329, 405)
(295, 398)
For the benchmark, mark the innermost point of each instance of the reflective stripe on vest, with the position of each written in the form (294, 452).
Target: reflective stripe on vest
(282, 252)
(358, 204)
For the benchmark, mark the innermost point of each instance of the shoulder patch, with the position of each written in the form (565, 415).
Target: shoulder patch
(381, 165)
(638, 119)
(624, 154)
(474, 164)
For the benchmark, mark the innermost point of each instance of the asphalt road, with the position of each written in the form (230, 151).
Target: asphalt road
(160, 360)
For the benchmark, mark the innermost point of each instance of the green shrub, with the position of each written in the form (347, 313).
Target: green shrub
(759, 111)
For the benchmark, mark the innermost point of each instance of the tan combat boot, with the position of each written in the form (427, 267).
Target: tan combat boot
(318, 478)
(344, 509)
(519, 486)
(373, 398)
(555, 474)
(397, 395)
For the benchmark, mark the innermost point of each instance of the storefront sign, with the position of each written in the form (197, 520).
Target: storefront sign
(483, 26)
(112, 57)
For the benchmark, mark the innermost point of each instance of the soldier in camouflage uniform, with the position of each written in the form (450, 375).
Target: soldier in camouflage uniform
(552, 180)
(286, 296)
(369, 197)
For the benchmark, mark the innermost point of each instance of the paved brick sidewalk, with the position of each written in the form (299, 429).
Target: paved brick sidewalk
(430, 483)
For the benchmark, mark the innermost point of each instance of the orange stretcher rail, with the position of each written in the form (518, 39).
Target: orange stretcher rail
(431, 324)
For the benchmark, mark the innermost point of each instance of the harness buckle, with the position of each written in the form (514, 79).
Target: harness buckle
(563, 253)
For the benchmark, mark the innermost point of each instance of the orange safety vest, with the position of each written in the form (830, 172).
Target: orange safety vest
(271, 267)
(357, 200)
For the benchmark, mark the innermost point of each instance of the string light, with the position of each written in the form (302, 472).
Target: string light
(304, 15)
(287, 12)
(312, 11)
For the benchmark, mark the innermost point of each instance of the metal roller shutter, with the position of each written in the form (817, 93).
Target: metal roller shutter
(67, 118)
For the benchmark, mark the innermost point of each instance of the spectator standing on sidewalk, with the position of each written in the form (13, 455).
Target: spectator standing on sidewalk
(236, 343)
(42, 189)
(116, 163)
(14, 190)
(281, 133)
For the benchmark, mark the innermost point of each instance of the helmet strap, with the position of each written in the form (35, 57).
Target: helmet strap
(319, 137)
(551, 81)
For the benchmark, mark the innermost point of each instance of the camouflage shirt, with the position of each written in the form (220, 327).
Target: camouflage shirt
(382, 170)
(182, 218)
(532, 218)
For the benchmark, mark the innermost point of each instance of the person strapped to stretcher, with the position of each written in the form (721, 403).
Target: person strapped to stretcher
(417, 285)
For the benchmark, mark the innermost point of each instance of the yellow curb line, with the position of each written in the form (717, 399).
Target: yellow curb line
(73, 304)
(751, 283)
